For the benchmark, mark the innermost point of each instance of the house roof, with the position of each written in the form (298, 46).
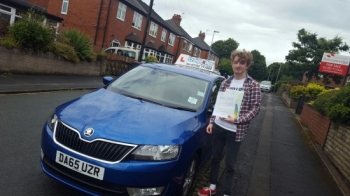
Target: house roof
(179, 30)
(203, 45)
(23, 5)
(133, 37)
(151, 45)
(142, 8)
(162, 48)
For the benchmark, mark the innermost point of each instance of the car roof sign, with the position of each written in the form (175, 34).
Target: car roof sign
(186, 60)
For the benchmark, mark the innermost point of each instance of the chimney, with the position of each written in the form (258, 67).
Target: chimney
(201, 35)
(177, 18)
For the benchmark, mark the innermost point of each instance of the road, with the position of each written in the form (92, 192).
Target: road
(275, 158)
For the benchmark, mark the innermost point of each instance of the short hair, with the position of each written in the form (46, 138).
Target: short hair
(243, 55)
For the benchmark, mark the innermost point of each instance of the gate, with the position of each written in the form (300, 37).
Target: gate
(117, 65)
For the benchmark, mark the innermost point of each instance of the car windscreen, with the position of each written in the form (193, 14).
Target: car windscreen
(266, 82)
(162, 87)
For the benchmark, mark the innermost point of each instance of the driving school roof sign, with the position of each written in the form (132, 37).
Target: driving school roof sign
(199, 63)
(334, 64)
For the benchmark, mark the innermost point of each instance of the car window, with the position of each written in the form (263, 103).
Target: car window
(163, 87)
(110, 51)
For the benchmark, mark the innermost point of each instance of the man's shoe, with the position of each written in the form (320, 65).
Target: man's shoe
(205, 191)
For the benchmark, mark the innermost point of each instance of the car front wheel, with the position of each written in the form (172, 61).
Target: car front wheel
(189, 176)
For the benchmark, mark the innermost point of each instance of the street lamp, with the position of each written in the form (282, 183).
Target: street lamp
(278, 73)
(212, 42)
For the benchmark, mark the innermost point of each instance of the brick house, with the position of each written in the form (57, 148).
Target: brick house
(123, 23)
(10, 11)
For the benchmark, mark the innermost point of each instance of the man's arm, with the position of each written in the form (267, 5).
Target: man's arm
(255, 99)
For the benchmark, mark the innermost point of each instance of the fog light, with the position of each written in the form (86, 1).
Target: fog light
(145, 191)
(41, 154)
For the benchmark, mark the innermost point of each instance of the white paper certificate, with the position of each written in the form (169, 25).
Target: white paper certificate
(228, 103)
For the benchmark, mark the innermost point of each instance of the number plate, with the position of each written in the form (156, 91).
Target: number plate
(80, 166)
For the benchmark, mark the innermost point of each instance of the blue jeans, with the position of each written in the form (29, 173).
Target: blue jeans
(222, 137)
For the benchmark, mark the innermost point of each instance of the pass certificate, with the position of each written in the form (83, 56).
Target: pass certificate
(228, 103)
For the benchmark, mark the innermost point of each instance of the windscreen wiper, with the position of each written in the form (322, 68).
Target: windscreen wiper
(182, 108)
(143, 99)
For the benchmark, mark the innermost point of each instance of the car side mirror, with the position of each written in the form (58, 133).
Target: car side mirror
(107, 80)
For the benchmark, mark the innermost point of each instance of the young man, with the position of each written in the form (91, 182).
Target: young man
(230, 131)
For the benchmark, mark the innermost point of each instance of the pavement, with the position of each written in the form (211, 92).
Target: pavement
(276, 158)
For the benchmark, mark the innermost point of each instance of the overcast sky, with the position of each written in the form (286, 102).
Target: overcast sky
(269, 26)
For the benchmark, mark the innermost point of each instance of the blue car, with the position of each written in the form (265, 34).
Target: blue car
(143, 133)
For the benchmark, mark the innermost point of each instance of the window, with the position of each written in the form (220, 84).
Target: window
(121, 11)
(190, 48)
(184, 45)
(132, 45)
(9, 15)
(195, 51)
(115, 43)
(64, 9)
(199, 53)
(153, 29)
(137, 21)
(163, 35)
(171, 39)
(213, 95)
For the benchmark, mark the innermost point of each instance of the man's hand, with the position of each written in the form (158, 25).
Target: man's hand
(210, 128)
(230, 119)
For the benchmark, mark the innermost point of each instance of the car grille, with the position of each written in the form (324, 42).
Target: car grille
(99, 149)
(86, 182)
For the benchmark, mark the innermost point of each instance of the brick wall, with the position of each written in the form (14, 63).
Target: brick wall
(337, 148)
(317, 123)
(15, 61)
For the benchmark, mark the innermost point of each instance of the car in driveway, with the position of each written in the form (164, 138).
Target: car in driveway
(265, 86)
(143, 133)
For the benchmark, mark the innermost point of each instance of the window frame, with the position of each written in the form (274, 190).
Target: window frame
(190, 46)
(63, 3)
(121, 11)
(184, 45)
(137, 21)
(163, 37)
(153, 29)
(171, 40)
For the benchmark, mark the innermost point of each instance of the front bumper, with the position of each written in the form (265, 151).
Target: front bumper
(117, 176)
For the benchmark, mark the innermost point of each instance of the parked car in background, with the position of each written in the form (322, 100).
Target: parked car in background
(144, 133)
(265, 86)
(123, 51)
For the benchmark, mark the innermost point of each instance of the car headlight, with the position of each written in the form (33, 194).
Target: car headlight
(156, 153)
(52, 121)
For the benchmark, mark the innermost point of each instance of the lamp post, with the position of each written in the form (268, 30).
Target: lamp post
(212, 39)
(278, 73)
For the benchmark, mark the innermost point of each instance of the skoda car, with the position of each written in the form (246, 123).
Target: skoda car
(143, 133)
(265, 86)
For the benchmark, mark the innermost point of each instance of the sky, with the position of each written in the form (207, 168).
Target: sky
(269, 26)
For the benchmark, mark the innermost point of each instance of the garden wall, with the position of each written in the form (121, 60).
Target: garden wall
(337, 148)
(317, 123)
(27, 62)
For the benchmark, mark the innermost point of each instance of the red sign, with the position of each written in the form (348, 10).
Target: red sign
(334, 64)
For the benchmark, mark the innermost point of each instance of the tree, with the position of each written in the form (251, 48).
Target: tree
(225, 64)
(224, 48)
(309, 49)
(272, 69)
(258, 70)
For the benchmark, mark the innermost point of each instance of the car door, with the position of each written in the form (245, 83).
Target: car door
(205, 137)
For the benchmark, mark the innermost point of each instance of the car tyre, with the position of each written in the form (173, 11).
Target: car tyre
(189, 176)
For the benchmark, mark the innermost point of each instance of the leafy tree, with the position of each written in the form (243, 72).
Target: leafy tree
(224, 48)
(258, 70)
(30, 31)
(225, 64)
(309, 49)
